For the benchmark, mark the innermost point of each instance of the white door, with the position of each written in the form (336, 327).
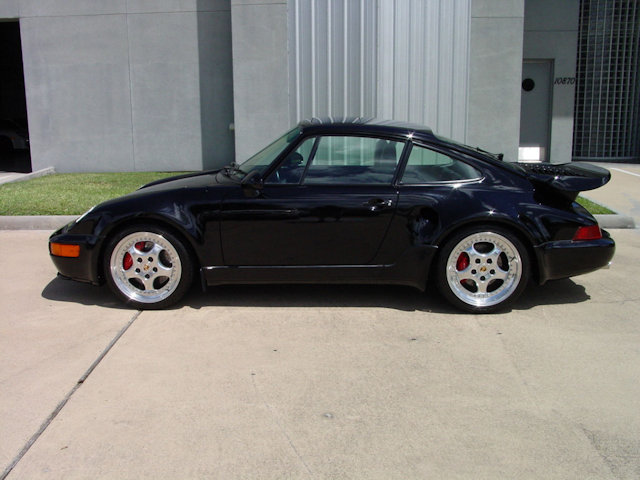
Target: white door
(535, 110)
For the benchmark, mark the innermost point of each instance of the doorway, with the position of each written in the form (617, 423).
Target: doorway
(15, 154)
(535, 110)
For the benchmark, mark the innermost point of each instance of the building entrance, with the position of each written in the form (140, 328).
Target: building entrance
(14, 134)
(535, 109)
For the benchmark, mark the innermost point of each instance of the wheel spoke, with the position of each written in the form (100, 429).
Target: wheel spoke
(167, 271)
(482, 287)
(135, 254)
(148, 283)
(500, 274)
(155, 252)
(466, 275)
(494, 256)
(131, 274)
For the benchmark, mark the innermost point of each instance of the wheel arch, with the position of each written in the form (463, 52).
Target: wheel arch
(175, 229)
(525, 237)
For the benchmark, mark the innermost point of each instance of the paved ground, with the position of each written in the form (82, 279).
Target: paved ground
(318, 382)
(622, 193)
(321, 382)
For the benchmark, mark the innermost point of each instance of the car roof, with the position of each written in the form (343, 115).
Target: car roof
(371, 126)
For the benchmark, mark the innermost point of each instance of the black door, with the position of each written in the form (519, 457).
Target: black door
(294, 225)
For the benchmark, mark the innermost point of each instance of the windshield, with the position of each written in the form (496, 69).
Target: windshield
(265, 157)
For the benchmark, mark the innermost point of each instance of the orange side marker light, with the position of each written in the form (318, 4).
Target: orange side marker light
(64, 250)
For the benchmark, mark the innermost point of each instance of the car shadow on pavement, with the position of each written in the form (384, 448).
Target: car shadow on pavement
(555, 292)
(382, 296)
(317, 296)
(320, 296)
(63, 290)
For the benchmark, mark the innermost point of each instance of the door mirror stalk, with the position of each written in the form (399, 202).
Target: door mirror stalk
(252, 184)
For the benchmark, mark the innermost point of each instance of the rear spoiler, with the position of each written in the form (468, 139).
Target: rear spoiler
(567, 179)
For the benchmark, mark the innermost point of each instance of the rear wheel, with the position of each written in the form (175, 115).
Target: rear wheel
(147, 267)
(483, 269)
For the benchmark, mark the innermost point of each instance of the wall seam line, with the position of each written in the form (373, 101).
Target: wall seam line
(133, 142)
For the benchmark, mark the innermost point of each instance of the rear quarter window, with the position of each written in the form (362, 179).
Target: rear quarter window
(428, 166)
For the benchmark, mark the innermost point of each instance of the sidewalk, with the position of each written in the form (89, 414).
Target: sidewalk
(9, 177)
(622, 193)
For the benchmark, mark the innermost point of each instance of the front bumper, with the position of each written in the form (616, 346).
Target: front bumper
(568, 258)
(84, 267)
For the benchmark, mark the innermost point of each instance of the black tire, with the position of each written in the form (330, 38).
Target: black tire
(147, 267)
(482, 269)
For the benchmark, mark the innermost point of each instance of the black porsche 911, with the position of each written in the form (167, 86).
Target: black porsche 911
(354, 201)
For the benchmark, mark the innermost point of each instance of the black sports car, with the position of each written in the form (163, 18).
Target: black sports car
(360, 201)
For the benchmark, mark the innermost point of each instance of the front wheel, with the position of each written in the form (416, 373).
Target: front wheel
(482, 269)
(147, 267)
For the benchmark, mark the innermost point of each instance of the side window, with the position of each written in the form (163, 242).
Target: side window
(292, 167)
(428, 166)
(354, 160)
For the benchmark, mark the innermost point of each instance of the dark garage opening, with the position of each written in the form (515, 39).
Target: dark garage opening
(14, 134)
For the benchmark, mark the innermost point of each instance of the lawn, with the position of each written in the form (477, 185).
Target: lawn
(74, 193)
(593, 207)
(70, 193)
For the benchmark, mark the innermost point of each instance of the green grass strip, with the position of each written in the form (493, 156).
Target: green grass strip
(593, 207)
(70, 193)
(74, 193)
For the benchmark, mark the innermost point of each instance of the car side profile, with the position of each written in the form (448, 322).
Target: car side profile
(350, 201)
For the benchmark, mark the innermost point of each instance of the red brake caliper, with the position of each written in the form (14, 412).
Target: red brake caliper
(127, 261)
(463, 262)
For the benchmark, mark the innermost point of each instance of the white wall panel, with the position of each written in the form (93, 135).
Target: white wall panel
(332, 46)
(427, 44)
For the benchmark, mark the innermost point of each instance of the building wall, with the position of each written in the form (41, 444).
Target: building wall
(127, 85)
(332, 58)
(260, 73)
(423, 60)
(495, 75)
(397, 59)
(155, 84)
(551, 33)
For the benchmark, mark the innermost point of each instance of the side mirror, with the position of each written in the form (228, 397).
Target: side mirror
(252, 183)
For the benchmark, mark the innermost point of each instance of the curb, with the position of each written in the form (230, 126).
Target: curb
(615, 221)
(53, 222)
(39, 222)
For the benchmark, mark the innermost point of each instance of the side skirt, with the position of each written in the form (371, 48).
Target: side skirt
(411, 270)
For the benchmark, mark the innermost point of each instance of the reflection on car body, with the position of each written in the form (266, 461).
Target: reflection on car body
(350, 201)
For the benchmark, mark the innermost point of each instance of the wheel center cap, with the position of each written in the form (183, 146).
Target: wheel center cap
(146, 268)
(483, 269)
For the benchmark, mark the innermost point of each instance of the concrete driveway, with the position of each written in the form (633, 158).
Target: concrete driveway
(317, 382)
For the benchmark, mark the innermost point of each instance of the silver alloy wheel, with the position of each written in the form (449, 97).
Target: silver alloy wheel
(145, 267)
(484, 269)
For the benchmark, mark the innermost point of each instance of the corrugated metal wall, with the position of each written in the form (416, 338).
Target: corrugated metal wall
(332, 57)
(399, 59)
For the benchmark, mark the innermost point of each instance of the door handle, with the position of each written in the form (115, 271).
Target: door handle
(378, 204)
